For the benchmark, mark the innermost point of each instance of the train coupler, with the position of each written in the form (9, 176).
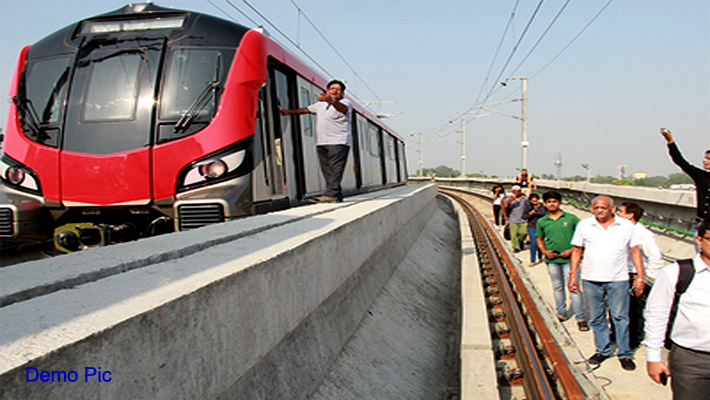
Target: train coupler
(74, 237)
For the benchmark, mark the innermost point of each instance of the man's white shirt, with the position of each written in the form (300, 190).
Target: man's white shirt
(606, 254)
(650, 253)
(692, 323)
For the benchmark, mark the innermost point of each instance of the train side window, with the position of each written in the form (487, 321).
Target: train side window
(45, 87)
(374, 142)
(42, 92)
(363, 135)
(306, 123)
(111, 92)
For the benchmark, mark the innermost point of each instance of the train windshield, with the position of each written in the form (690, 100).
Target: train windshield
(193, 81)
(113, 85)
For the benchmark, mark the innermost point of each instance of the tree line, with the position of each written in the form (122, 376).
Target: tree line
(442, 171)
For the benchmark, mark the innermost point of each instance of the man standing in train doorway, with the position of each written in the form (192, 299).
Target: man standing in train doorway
(333, 137)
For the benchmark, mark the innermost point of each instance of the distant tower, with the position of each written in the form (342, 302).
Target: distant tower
(622, 171)
(558, 165)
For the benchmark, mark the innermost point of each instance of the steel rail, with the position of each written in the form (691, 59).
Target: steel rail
(527, 324)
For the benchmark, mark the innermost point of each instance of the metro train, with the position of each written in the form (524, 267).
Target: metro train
(148, 120)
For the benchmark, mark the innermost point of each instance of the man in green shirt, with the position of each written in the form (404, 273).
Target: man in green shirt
(554, 239)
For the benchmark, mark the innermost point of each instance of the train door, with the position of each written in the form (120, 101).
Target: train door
(349, 182)
(356, 151)
(364, 136)
(105, 157)
(286, 133)
(375, 162)
(261, 176)
(313, 178)
(272, 188)
(390, 159)
(401, 173)
(275, 175)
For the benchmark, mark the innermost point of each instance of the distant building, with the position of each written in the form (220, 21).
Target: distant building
(640, 175)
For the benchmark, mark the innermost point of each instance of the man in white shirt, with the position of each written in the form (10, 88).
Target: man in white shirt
(652, 263)
(333, 137)
(689, 359)
(606, 242)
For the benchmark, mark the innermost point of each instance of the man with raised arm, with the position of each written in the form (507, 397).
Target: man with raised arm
(701, 176)
(333, 137)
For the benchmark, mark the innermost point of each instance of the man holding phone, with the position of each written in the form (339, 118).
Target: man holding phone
(700, 176)
(553, 237)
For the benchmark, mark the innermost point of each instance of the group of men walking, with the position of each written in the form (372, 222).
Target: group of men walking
(613, 262)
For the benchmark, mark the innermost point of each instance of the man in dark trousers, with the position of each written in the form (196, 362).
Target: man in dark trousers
(701, 177)
(689, 357)
(333, 137)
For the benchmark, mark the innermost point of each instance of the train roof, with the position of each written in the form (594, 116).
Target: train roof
(183, 27)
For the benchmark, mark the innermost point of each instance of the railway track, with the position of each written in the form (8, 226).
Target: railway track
(526, 352)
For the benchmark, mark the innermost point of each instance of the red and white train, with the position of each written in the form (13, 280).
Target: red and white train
(148, 120)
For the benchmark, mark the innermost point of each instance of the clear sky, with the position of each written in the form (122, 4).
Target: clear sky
(640, 65)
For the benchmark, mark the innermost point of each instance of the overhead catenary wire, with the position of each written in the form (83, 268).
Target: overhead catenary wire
(285, 36)
(549, 26)
(500, 45)
(513, 51)
(573, 39)
(297, 44)
(510, 57)
(495, 87)
(335, 50)
(236, 8)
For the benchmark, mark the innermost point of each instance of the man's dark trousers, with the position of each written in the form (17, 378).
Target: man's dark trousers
(333, 159)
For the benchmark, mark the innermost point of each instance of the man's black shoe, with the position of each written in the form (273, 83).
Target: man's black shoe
(323, 199)
(627, 364)
(597, 359)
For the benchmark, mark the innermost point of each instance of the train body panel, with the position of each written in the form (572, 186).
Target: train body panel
(146, 120)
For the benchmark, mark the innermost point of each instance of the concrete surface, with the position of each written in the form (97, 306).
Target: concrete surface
(405, 347)
(259, 310)
(479, 378)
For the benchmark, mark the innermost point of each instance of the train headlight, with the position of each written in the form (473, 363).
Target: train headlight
(213, 169)
(18, 176)
(15, 175)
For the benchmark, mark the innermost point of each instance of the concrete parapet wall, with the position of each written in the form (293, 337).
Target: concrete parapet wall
(674, 209)
(255, 308)
(680, 198)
